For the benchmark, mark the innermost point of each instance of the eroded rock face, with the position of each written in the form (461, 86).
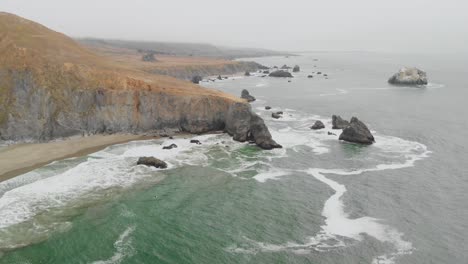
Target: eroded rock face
(244, 125)
(338, 122)
(246, 95)
(409, 76)
(357, 132)
(281, 74)
(152, 162)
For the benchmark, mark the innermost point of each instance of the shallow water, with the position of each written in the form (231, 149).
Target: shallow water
(317, 200)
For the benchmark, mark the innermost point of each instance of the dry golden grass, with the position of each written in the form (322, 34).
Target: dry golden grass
(58, 61)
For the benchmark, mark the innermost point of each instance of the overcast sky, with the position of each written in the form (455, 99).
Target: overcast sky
(371, 25)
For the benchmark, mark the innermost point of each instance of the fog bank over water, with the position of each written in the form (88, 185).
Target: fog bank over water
(295, 25)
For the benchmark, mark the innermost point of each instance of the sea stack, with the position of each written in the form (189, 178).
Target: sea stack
(409, 76)
(357, 132)
(246, 95)
(338, 122)
(296, 68)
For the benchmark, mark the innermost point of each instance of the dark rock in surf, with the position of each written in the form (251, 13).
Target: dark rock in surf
(266, 72)
(219, 77)
(195, 141)
(285, 67)
(317, 125)
(357, 132)
(296, 68)
(331, 134)
(197, 79)
(244, 125)
(247, 73)
(338, 122)
(152, 162)
(409, 76)
(281, 74)
(170, 146)
(276, 115)
(246, 95)
(310, 76)
(267, 107)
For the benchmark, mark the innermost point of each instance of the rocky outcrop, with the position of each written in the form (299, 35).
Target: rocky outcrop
(246, 95)
(338, 122)
(357, 132)
(171, 146)
(296, 68)
(196, 79)
(409, 76)
(317, 125)
(244, 125)
(281, 74)
(152, 162)
(195, 141)
(247, 73)
(45, 94)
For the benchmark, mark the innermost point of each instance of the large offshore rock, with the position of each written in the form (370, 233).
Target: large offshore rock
(281, 74)
(409, 76)
(152, 162)
(338, 122)
(357, 132)
(246, 95)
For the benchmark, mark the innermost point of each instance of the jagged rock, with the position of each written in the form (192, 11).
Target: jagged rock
(219, 77)
(338, 122)
(296, 68)
(281, 73)
(409, 76)
(310, 76)
(357, 132)
(152, 162)
(318, 125)
(171, 146)
(246, 95)
(267, 107)
(247, 73)
(197, 79)
(195, 141)
(244, 125)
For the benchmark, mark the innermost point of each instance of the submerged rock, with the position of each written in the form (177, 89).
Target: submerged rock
(409, 76)
(244, 125)
(171, 146)
(246, 95)
(282, 74)
(338, 122)
(152, 162)
(317, 125)
(296, 68)
(357, 132)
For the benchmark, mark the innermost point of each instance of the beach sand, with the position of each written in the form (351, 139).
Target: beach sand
(21, 158)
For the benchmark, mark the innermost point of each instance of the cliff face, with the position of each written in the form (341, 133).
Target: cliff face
(51, 87)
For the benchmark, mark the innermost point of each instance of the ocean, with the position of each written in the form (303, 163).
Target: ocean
(317, 200)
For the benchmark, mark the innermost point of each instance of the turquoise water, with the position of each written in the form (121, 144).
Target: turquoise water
(317, 200)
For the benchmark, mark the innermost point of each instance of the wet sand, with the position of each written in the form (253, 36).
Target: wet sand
(21, 158)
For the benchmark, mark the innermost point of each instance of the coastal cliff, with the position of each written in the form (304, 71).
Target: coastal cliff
(52, 87)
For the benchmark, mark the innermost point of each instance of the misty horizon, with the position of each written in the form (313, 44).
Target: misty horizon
(397, 26)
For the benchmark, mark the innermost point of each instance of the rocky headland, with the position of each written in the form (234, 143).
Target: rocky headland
(52, 87)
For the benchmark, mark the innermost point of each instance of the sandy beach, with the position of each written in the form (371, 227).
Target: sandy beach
(21, 158)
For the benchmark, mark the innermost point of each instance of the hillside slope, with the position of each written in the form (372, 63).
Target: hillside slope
(50, 86)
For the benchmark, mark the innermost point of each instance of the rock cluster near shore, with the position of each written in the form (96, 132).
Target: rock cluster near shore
(281, 74)
(244, 125)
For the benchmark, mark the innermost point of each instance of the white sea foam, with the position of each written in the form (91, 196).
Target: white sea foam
(123, 248)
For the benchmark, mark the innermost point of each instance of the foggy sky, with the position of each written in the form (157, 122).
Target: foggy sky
(367, 25)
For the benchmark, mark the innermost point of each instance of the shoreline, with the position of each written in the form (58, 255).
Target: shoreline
(21, 158)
